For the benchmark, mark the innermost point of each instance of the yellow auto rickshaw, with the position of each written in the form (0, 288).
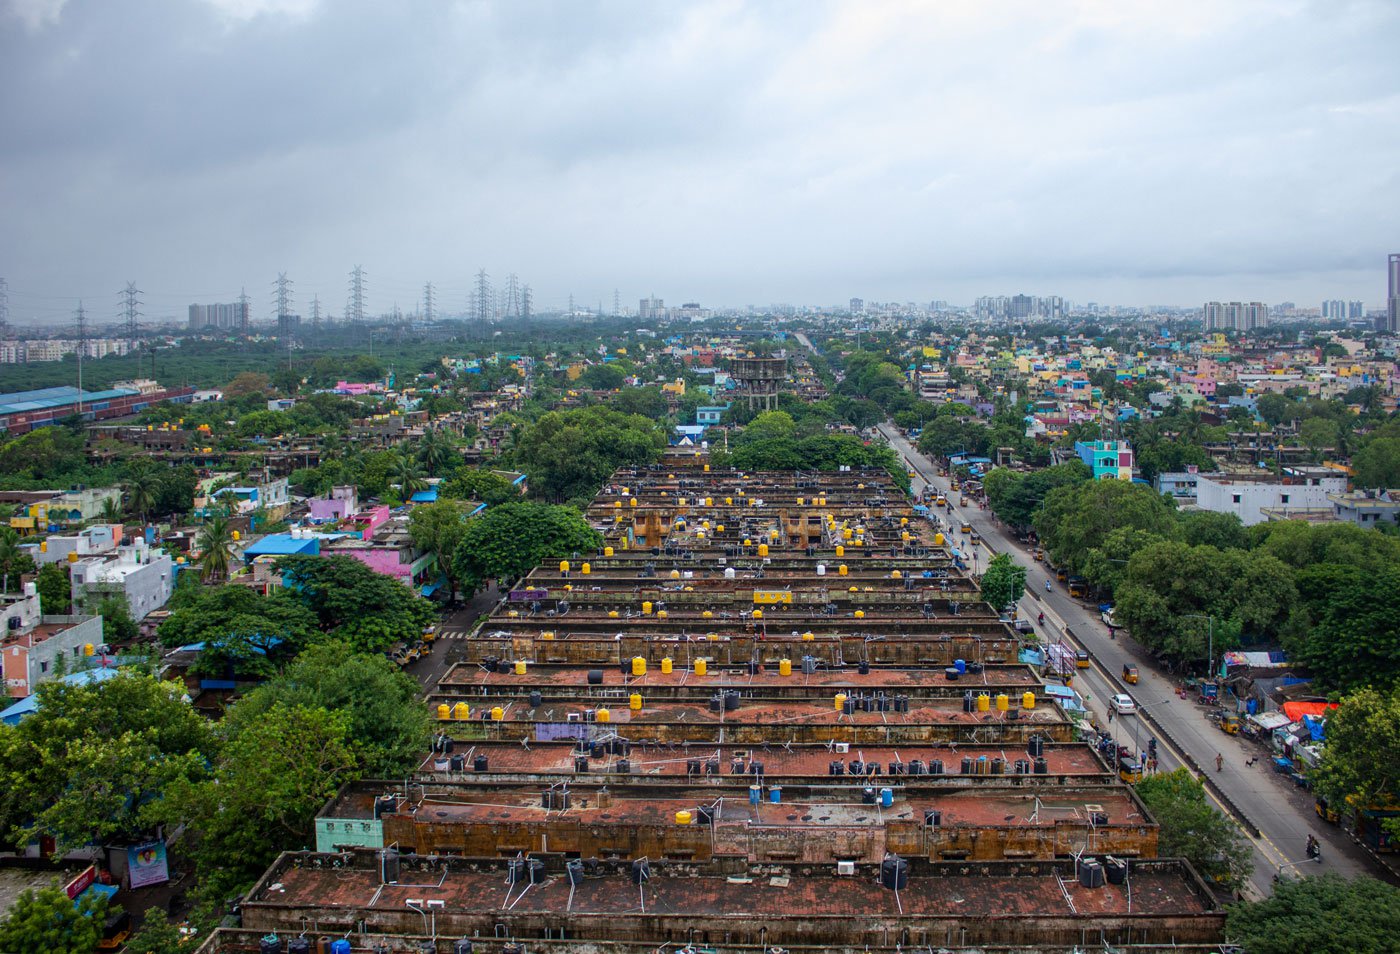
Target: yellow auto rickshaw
(1130, 674)
(966, 528)
(1229, 723)
(1081, 660)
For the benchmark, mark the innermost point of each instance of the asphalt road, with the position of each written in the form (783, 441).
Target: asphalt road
(1282, 813)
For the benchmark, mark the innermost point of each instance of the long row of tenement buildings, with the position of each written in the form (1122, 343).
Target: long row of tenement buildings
(770, 713)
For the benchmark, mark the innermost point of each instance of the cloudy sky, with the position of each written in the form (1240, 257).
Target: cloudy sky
(732, 153)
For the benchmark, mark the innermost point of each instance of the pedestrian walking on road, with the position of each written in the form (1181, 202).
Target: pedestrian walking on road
(1110, 717)
(1219, 761)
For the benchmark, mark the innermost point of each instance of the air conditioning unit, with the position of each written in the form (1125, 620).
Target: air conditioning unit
(846, 868)
(843, 747)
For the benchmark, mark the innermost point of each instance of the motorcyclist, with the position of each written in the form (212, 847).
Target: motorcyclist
(1047, 586)
(1314, 849)
(1041, 619)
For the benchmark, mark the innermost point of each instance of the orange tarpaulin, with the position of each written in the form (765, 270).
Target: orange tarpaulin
(1296, 710)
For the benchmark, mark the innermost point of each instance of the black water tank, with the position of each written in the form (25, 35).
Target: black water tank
(573, 870)
(1023, 766)
(1116, 869)
(462, 946)
(1042, 767)
(966, 765)
(896, 768)
(595, 677)
(641, 872)
(624, 766)
(1035, 746)
(849, 706)
(857, 767)
(299, 945)
(935, 767)
(867, 795)
(1091, 874)
(270, 944)
(480, 763)
(716, 702)
(536, 699)
(536, 867)
(515, 871)
(756, 768)
(952, 674)
(998, 766)
(731, 701)
(490, 663)
(836, 767)
(969, 703)
(917, 767)
(864, 668)
(581, 763)
(894, 872)
(457, 763)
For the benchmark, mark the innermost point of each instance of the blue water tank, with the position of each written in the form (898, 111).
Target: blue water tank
(755, 794)
(886, 797)
(960, 665)
(340, 946)
(775, 794)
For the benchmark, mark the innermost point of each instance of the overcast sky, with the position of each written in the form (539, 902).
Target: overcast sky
(730, 153)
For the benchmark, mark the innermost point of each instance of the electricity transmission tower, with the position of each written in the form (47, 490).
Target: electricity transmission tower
(4, 308)
(131, 305)
(617, 303)
(428, 302)
(284, 294)
(526, 301)
(571, 305)
(243, 308)
(80, 328)
(510, 299)
(316, 312)
(485, 306)
(355, 309)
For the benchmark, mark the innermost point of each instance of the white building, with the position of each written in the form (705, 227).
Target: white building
(1301, 489)
(143, 576)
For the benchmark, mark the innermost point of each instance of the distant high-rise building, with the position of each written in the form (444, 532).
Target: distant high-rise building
(1235, 315)
(1334, 309)
(231, 316)
(651, 308)
(1391, 318)
(857, 306)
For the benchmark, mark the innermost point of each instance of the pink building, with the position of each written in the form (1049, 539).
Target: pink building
(368, 521)
(335, 507)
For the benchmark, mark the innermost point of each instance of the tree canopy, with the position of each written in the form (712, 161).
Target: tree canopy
(569, 454)
(1324, 914)
(1192, 829)
(47, 920)
(506, 542)
(244, 633)
(368, 610)
(1004, 581)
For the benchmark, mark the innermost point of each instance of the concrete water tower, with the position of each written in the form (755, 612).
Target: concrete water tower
(759, 380)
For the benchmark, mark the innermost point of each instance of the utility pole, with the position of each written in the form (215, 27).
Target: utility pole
(356, 306)
(428, 302)
(130, 309)
(80, 322)
(526, 301)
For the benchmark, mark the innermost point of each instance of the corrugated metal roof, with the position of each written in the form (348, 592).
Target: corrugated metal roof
(20, 402)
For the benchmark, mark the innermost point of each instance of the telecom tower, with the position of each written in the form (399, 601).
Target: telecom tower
(482, 298)
(284, 295)
(428, 302)
(355, 308)
(526, 301)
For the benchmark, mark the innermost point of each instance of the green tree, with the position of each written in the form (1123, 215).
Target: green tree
(1078, 517)
(1190, 828)
(55, 589)
(14, 562)
(487, 486)
(1004, 581)
(271, 777)
(648, 402)
(408, 475)
(437, 452)
(157, 935)
(1353, 639)
(1324, 914)
(368, 610)
(1361, 761)
(1016, 497)
(1275, 409)
(244, 634)
(506, 542)
(1318, 434)
(215, 545)
(47, 920)
(142, 489)
(602, 377)
(438, 528)
(83, 766)
(569, 454)
(1377, 465)
(1223, 531)
(387, 724)
(117, 624)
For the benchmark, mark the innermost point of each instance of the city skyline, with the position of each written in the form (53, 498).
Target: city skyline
(1171, 154)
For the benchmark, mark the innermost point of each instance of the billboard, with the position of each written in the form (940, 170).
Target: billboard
(146, 864)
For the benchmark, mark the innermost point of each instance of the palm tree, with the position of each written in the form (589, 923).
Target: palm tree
(111, 511)
(435, 450)
(215, 543)
(13, 560)
(409, 476)
(142, 489)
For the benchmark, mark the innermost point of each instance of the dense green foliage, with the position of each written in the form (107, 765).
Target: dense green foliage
(47, 920)
(1361, 762)
(244, 634)
(369, 611)
(438, 528)
(775, 441)
(506, 542)
(86, 765)
(568, 454)
(1192, 829)
(1325, 914)
(1014, 496)
(1004, 581)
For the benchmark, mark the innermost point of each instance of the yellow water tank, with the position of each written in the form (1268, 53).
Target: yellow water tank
(706, 614)
(660, 614)
(938, 539)
(709, 501)
(748, 542)
(808, 636)
(586, 569)
(729, 500)
(1003, 702)
(237, 535)
(847, 533)
(667, 665)
(675, 574)
(984, 702)
(547, 634)
(521, 667)
(646, 607)
(43, 546)
(707, 468)
(563, 566)
(634, 701)
(617, 503)
(896, 575)
(701, 667)
(631, 501)
(607, 551)
(719, 529)
(604, 715)
(639, 665)
(906, 536)
(763, 549)
(904, 521)
(758, 614)
(1028, 700)
(840, 700)
(461, 711)
(497, 714)
(842, 570)
(860, 614)
(683, 818)
(89, 649)
(612, 614)
(73, 556)
(444, 711)
(840, 550)
(785, 667)
(800, 501)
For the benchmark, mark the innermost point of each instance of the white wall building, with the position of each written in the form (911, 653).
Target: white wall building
(1300, 489)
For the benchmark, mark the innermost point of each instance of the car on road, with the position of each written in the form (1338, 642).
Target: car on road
(1123, 703)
